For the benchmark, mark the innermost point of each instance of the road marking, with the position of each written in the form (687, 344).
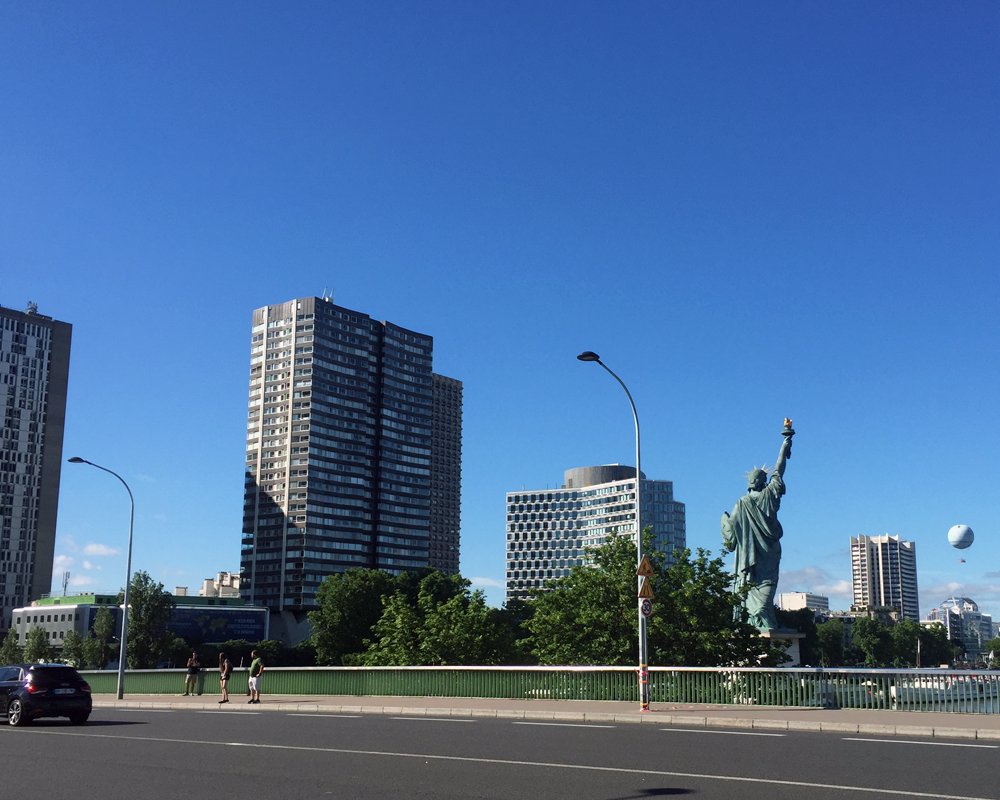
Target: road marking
(142, 710)
(433, 719)
(725, 733)
(324, 716)
(564, 725)
(503, 762)
(934, 744)
(220, 711)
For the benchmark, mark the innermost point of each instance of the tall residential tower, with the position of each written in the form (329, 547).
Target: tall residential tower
(34, 373)
(884, 571)
(341, 444)
(549, 530)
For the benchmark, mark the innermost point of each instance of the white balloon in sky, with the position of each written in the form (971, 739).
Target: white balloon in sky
(960, 536)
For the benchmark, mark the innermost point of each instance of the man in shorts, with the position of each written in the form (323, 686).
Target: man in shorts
(256, 671)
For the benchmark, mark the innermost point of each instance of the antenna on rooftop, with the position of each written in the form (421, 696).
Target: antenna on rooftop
(327, 296)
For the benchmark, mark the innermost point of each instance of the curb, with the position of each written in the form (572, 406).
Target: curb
(573, 716)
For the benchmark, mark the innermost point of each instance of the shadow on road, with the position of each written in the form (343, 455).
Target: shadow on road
(661, 792)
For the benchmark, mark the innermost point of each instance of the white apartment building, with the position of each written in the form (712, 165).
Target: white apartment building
(884, 572)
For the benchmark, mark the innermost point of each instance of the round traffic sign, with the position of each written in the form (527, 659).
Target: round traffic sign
(646, 607)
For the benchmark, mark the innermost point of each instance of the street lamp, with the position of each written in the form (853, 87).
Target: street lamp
(128, 572)
(589, 355)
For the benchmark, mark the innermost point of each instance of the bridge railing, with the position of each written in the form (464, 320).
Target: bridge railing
(963, 691)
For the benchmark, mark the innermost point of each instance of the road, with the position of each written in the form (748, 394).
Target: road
(268, 755)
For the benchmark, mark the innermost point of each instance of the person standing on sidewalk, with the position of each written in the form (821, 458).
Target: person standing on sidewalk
(191, 679)
(256, 671)
(225, 670)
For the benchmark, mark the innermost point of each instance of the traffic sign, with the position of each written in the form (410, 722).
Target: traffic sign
(646, 589)
(646, 608)
(645, 568)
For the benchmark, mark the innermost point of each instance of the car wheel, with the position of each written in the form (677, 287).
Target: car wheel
(15, 713)
(79, 719)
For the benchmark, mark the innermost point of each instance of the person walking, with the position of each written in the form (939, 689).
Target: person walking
(191, 678)
(256, 671)
(225, 670)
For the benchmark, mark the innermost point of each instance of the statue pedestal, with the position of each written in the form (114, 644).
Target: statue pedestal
(790, 639)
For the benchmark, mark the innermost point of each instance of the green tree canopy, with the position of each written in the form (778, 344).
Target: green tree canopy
(10, 650)
(830, 643)
(72, 649)
(97, 646)
(349, 605)
(446, 623)
(36, 645)
(150, 608)
(591, 615)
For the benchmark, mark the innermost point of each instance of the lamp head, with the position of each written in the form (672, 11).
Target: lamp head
(588, 355)
(76, 460)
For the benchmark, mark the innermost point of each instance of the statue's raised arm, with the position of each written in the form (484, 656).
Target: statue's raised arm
(785, 452)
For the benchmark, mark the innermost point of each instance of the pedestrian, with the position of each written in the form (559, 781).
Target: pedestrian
(225, 670)
(191, 679)
(256, 671)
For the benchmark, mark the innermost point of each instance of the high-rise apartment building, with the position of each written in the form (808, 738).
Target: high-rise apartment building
(884, 572)
(340, 451)
(550, 530)
(446, 473)
(965, 623)
(34, 374)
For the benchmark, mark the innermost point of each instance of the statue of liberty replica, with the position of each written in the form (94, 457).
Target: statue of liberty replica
(753, 533)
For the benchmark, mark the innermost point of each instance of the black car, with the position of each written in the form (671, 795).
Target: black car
(30, 691)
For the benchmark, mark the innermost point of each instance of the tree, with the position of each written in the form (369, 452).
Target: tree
(904, 636)
(10, 650)
(991, 651)
(830, 643)
(150, 608)
(96, 647)
(872, 638)
(590, 616)
(349, 605)
(36, 645)
(445, 624)
(72, 649)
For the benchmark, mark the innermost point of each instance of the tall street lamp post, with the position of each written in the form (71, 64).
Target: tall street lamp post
(128, 573)
(588, 355)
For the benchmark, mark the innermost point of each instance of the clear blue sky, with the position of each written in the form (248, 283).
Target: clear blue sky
(751, 211)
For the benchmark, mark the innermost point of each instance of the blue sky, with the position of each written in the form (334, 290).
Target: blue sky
(751, 211)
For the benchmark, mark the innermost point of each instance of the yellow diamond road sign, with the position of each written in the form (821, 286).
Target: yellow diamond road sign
(645, 568)
(645, 589)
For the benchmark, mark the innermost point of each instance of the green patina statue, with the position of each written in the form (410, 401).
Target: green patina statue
(753, 532)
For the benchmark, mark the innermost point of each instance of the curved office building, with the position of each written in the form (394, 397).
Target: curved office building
(549, 530)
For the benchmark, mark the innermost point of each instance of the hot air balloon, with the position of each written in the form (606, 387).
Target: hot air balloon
(960, 536)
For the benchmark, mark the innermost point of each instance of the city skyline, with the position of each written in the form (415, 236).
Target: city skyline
(750, 214)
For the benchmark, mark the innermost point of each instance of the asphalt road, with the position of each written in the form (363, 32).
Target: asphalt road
(240, 752)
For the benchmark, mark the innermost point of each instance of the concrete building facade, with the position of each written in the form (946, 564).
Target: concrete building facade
(34, 377)
(964, 623)
(794, 601)
(339, 452)
(549, 531)
(884, 573)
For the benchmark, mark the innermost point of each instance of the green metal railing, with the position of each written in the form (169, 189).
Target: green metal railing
(961, 691)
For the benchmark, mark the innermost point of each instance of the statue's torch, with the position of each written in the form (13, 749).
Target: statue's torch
(788, 433)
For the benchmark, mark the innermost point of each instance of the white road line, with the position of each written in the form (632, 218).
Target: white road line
(241, 713)
(324, 716)
(564, 724)
(657, 773)
(934, 744)
(724, 733)
(433, 719)
(141, 710)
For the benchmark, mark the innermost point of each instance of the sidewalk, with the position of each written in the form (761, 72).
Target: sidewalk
(771, 718)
